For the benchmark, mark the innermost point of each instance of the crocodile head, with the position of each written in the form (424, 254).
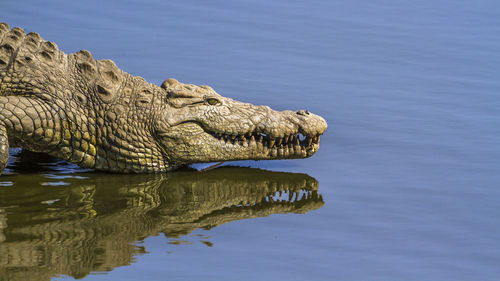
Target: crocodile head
(202, 126)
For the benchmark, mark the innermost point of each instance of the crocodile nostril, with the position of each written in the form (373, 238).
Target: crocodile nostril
(303, 112)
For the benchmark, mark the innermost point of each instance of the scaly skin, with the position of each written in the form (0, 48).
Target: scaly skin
(91, 113)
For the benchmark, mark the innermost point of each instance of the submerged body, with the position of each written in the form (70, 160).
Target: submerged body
(91, 113)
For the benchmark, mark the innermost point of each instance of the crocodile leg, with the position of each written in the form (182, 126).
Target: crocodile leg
(33, 125)
(21, 121)
(4, 148)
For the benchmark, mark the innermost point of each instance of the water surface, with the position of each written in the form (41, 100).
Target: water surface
(406, 179)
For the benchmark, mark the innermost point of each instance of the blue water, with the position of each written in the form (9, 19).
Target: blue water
(408, 168)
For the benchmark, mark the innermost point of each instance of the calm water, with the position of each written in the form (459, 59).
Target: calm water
(404, 187)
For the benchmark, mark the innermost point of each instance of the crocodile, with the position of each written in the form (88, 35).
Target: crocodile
(91, 113)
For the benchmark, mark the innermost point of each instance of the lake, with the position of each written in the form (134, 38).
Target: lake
(404, 186)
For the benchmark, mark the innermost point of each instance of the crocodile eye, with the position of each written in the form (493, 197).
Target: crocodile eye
(213, 101)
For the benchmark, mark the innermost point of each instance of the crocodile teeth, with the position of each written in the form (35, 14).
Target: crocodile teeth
(287, 145)
(260, 146)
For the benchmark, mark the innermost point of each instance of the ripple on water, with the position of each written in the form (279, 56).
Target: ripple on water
(55, 183)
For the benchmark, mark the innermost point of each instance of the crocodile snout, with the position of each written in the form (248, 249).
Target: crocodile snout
(309, 123)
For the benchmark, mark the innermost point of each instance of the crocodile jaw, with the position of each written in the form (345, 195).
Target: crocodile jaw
(293, 135)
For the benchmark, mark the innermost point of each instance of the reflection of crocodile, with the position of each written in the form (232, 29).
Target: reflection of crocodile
(90, 224)
(91, 113)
